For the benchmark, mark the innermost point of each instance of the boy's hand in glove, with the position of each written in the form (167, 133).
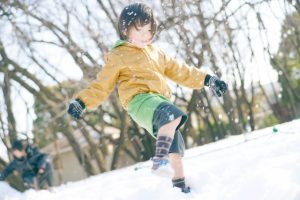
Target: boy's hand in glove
(218, 86)
(76, 108)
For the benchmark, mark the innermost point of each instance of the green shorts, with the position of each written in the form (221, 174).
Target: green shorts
(152, 111)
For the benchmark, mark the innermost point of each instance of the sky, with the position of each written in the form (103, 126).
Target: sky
(259, 165)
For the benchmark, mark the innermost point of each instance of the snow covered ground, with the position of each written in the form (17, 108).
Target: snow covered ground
(266, 167)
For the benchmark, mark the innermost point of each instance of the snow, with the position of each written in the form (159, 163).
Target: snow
(260, 165)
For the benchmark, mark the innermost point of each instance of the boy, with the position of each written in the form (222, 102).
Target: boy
(140, 71)
(33, 166)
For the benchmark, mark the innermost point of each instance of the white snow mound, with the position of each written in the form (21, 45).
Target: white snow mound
(260, 165)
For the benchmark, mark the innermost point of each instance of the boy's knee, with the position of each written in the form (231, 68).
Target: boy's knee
(177, 121)
(173, 124)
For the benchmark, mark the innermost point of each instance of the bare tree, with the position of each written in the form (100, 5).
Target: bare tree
(205, 34)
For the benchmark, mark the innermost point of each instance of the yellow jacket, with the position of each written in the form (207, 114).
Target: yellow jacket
(136, 70)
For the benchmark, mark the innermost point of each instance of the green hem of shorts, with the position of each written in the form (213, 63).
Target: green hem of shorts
(141, 109)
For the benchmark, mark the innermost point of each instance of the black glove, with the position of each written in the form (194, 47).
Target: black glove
(218, 86)
(76, 108)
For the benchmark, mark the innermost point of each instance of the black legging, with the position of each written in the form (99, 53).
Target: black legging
(39, 181)
(47, 176)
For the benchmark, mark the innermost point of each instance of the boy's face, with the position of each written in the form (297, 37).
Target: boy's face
(140, 36)
(19, 154)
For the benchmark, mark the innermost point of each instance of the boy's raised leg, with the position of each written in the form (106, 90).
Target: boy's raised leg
(164, 140)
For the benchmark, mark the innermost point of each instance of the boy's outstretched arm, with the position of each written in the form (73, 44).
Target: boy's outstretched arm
(98, 90)
(7, 171)
(191, 77)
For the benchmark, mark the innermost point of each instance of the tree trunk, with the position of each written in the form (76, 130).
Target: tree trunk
(94, 149)
(124, 129)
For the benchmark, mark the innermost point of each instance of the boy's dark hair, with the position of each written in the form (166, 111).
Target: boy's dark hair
(18, 145)
(136, 14)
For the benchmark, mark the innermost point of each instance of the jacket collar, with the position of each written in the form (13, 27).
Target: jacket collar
(124, 43)
(119, 43)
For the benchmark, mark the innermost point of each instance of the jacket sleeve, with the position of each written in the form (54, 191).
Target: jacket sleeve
(39, 159)
(181, 73)
(42, 161)
(100, 88)
(7, 171)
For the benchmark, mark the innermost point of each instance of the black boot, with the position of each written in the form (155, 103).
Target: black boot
(180, 183)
